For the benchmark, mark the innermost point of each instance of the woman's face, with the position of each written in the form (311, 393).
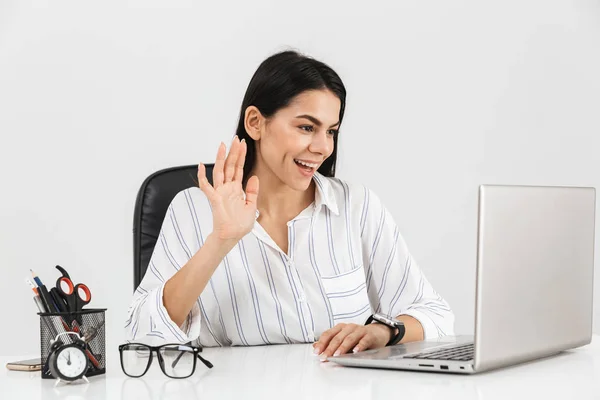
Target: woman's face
(301, 133)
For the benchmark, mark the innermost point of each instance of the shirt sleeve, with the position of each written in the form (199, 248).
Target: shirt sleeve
(148, 321)
(395, 283)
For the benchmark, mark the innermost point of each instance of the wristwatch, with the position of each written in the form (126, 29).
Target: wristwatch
(393, 323)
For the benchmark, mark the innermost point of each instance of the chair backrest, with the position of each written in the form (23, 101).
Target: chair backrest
(151, 204)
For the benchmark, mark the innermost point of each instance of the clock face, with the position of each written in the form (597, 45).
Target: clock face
(71, 362)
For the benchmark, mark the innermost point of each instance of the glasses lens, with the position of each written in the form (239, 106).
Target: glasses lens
(135, 359)
(178, 360)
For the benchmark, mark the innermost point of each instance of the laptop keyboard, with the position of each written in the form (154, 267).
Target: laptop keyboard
(457, 353)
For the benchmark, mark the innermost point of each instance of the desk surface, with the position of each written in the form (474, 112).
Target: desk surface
(292, 372)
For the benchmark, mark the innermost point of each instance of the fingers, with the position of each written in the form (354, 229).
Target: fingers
(227, 168)
(252, 191)
(326, 337)
(366, 342)
(218, 174)
(203, 183)
(337, 340)
(352, 340)
(239, 166)
(231, 161)
(344, 338)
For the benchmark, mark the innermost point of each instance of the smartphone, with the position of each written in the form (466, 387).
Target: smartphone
(35, 364)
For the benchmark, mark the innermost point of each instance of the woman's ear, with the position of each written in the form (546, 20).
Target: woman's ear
(253, 122)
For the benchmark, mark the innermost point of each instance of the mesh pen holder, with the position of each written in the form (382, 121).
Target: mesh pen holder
(88, 323)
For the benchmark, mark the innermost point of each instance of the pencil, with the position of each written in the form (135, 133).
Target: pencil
(35, 278)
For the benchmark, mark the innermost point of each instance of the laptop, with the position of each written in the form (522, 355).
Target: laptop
(534, 285)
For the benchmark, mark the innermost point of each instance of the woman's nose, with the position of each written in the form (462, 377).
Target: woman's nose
(321, 143)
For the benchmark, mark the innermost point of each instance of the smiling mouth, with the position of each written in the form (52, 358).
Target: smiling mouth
(307, 169)
(306, 166)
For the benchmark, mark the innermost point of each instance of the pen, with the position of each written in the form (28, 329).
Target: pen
(57, 300)
(33, 287)
(38, 303)
(36, 296)
(40, 306)
(43, 292)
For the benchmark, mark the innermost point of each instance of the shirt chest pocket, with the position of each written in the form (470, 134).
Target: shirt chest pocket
(347, 296)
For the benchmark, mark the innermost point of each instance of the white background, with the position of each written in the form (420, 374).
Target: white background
(442, 96)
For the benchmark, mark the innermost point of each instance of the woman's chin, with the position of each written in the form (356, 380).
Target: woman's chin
(300, 184)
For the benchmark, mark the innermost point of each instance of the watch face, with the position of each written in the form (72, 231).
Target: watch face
(386, 319)
(71, 362)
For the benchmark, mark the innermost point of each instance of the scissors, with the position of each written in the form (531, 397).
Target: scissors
(75, 296)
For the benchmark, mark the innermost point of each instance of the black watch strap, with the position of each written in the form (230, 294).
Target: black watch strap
(396, 337)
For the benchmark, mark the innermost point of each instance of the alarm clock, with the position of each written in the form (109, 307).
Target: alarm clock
(68, 362)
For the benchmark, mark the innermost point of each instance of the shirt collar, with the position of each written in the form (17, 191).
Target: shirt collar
(324, 194)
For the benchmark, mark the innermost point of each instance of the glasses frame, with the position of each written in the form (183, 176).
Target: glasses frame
(161, 362)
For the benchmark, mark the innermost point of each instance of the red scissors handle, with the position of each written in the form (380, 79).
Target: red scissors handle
(87, 295)
(65, 286)
(76, 296)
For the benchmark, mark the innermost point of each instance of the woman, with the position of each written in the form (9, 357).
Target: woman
(309, 259)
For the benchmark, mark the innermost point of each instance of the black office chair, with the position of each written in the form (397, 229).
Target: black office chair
(151, 204)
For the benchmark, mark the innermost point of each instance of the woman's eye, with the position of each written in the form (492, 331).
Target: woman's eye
(307, 128)
(332, 132)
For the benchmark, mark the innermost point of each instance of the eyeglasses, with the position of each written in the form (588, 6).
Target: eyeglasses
(175, 360)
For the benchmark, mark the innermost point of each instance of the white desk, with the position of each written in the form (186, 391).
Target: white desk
(292, 372)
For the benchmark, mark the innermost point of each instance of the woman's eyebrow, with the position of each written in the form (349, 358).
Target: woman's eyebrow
(314, 120)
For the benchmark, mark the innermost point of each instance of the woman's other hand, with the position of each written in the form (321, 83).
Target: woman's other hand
(233, 217)
(343, 338)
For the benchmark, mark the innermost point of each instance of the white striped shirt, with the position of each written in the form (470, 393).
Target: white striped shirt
(346, 260)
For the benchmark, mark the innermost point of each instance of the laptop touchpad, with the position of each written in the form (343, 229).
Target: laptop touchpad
(402, 349)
